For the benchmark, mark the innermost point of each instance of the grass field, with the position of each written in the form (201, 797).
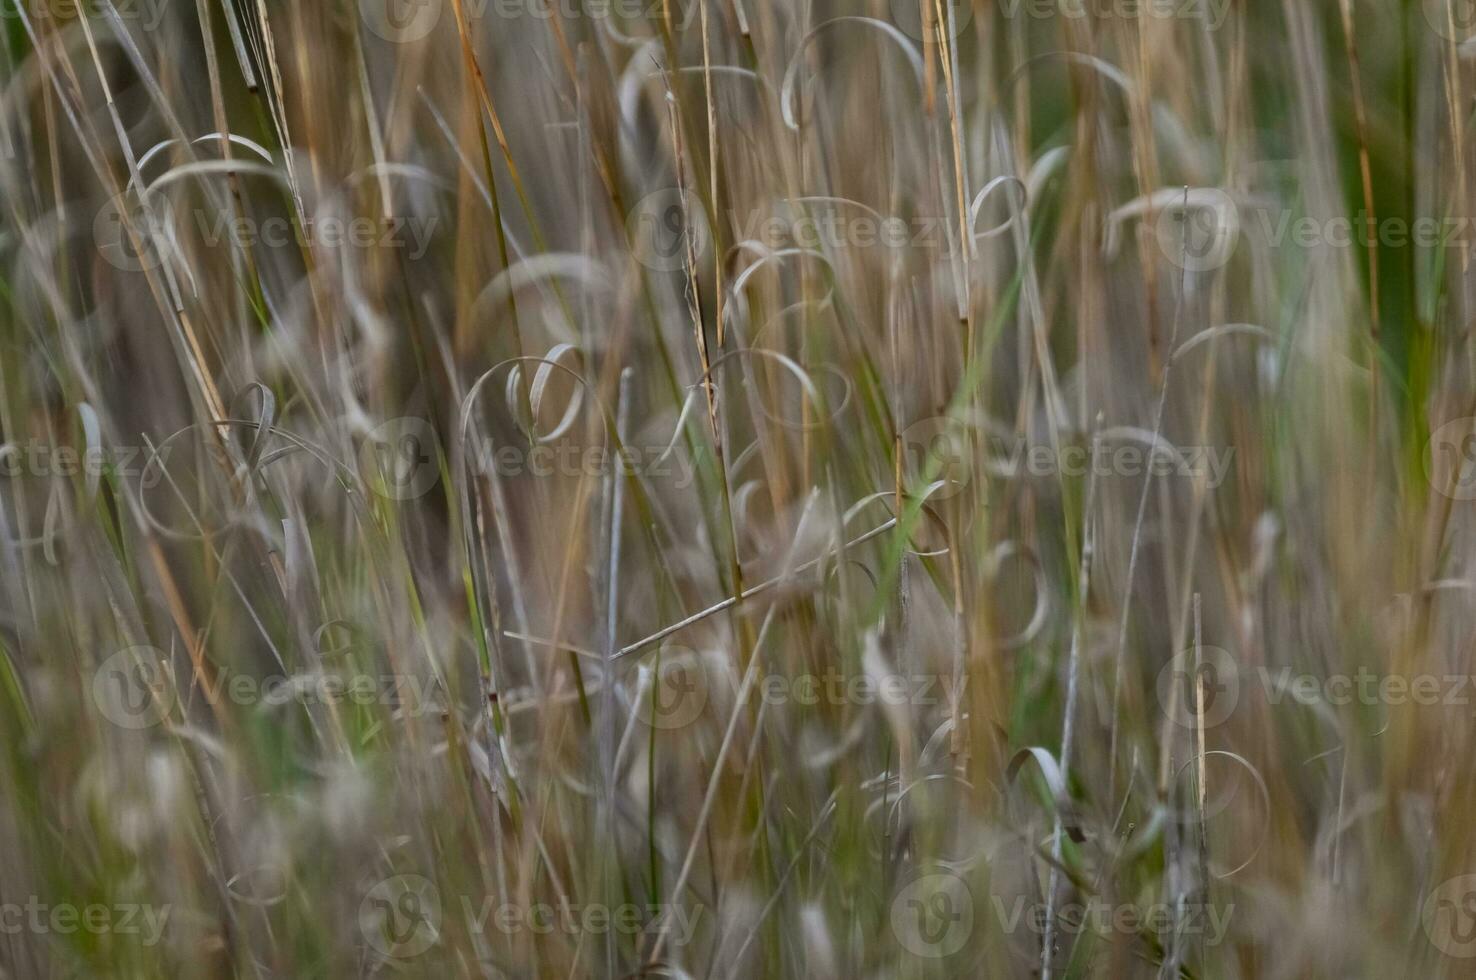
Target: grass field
(737, 488)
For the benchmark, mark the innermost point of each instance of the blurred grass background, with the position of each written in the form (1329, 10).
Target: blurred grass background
(707, 488)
